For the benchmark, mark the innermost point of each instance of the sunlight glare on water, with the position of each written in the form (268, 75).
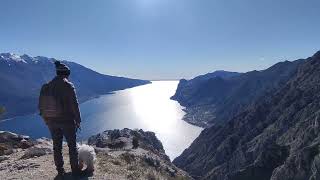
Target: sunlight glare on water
(153, 107)
(146, 107)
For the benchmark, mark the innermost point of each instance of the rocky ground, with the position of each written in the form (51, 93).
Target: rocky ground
(121, 154)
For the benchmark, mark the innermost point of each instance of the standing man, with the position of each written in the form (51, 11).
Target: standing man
(59, 108)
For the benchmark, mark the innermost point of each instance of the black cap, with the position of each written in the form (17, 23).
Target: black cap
(62, 69)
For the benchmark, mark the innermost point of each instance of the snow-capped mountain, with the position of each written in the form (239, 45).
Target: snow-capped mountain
(22, 76)
(9, 57)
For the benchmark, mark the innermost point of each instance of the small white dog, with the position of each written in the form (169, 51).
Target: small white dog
(87, 156)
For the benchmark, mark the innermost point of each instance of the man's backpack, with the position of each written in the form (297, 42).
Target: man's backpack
(49, 105)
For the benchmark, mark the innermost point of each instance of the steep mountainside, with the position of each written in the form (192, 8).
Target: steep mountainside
(21, 78)
(217, 99)
(276, 138)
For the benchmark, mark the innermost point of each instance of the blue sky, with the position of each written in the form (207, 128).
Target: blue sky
(162, 39)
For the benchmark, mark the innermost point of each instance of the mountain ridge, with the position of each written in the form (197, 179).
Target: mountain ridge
(22, 77)
(217, 99)
(276, 138)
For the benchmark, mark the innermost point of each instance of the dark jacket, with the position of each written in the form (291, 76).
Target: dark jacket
(65, 92)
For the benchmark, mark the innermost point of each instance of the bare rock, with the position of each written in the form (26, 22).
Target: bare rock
(3, 158)
(127, 139)
(43, 147)
(10, 141)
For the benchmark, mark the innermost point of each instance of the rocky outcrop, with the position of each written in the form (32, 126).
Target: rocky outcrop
(9, 142)
(41, 147)
(129, 139)
(121, 154)
(276, 138)
(216, 99)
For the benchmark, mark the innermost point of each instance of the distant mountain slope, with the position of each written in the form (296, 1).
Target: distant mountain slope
(276, 138)
(186, 88)
(21, 78)
(218, 98)
(220, 73)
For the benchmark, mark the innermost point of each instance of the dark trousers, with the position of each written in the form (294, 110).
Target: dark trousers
(69, 132)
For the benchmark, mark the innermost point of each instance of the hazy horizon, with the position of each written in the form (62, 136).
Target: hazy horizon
(166, 79)
(162, 39)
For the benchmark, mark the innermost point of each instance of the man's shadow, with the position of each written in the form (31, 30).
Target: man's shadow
(68, 176)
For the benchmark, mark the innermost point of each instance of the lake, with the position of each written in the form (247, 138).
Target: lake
(146, 107)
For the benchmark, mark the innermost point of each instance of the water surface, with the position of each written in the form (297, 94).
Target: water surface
(146, 107)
